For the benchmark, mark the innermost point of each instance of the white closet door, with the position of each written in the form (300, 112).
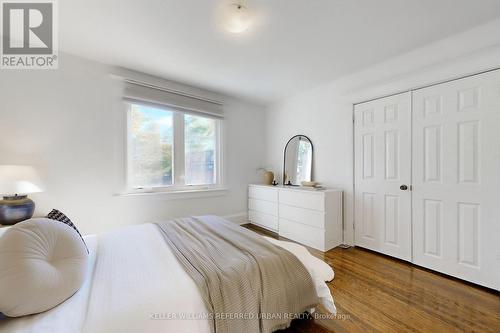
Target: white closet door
(382, 166)
(456, 178)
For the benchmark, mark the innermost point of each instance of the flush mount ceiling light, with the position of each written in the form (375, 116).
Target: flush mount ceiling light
(237, 18)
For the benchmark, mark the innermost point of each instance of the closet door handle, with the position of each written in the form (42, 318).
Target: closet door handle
(403, 187)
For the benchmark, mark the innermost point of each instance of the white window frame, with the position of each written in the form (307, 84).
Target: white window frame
(178, 163)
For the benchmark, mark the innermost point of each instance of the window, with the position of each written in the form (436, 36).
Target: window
(151, 143)
(200, 150)
(170, 149)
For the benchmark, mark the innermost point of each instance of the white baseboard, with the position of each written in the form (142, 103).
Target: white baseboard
(240, 218)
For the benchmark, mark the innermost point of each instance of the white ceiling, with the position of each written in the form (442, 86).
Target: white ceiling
(293, 45)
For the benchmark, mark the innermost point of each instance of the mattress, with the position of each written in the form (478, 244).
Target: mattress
(135, 284)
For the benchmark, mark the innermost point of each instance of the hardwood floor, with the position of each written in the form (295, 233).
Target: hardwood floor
(376, 293)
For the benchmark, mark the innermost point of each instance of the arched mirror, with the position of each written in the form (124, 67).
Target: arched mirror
(297, 165)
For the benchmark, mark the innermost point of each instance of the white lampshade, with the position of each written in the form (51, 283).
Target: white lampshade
(19, 179)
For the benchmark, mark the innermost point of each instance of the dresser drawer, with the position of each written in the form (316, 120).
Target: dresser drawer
(304, 234)
(264, 220)
(263, 193)
(303, 199)
(313, 218)
(263, 206)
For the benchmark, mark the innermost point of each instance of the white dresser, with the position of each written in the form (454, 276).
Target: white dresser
(307, 216)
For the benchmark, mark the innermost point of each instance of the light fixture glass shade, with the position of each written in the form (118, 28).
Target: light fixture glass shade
(19, 179)
(236, 18)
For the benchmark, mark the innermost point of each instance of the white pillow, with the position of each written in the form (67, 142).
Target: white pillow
(42, 263)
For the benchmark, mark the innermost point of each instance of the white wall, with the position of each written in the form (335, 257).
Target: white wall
(69, 124)
(325, 113)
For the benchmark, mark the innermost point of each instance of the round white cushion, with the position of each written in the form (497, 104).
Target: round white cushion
(42, 263)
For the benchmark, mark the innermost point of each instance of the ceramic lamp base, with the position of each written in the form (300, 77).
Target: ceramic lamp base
(15, 209)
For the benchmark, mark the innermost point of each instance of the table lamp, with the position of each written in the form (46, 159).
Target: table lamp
(16, 182)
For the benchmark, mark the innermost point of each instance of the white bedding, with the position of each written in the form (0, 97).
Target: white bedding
(136, 284)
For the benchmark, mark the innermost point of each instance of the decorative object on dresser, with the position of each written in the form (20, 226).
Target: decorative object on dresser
(268, 176)
(308, 216)
(309, 184)
(297, 162)
(16, 182)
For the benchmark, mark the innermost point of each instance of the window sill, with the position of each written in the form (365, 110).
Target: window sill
(179, 194)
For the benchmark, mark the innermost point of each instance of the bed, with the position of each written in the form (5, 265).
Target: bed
(135, 283)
